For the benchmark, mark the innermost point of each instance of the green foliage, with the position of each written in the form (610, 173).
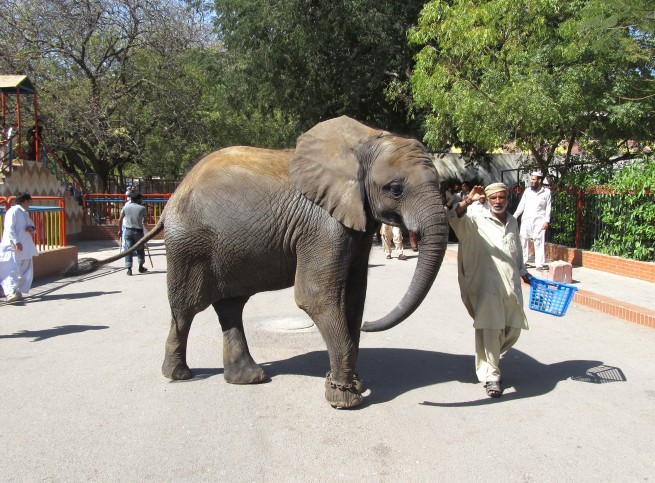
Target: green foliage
(629, 229)
(536, 72)
(315, 60)
(111, 79)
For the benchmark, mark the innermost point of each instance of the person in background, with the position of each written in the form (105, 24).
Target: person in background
(392, 233)
(133, 214)
(35, 137)
(452, 195)
(490, 269)
(534, 210)
(466, 188)
(17, 249)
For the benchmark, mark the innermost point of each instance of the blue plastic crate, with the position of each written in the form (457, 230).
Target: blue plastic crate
(550, 297)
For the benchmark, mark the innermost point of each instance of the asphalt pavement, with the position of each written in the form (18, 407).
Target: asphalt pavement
(83, 398)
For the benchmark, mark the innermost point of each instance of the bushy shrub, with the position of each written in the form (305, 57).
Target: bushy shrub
(629, 226)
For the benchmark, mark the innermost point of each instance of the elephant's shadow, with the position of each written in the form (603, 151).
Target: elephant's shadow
(391, 372)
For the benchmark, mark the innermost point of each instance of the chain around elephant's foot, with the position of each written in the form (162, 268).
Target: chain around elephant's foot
(248, 372)
(342, 395)
(176, 370)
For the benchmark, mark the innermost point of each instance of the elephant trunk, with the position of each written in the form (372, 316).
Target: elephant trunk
(433, 237)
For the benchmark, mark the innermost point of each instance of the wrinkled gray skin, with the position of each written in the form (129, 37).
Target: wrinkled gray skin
(248, 220)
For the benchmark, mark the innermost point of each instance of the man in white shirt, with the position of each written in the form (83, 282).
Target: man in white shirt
(490, 268)
(534, 210)
(17, 249)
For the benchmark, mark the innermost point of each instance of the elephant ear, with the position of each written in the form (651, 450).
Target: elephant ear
(325, 168)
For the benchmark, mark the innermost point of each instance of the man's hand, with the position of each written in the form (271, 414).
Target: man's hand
(30, 229)
(546, 225)
(527, 278)
(475, 193)
(19, 247)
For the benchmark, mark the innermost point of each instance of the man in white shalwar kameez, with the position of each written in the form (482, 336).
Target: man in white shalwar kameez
(490, 268)
(17, 249)
(534, 209)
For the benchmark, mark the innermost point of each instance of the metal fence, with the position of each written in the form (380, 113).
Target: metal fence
(48, 215)
(577, 218)
(105, 209)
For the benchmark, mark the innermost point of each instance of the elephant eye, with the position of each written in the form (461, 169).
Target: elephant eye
(395, 188)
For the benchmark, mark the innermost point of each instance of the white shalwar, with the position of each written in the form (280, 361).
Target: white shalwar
(16, 268)
(490, 264)
(535, 206)
(391, 233)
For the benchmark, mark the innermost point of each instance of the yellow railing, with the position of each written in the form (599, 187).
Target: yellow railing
(49, 217)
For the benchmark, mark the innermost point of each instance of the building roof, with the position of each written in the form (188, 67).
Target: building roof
(9, 84)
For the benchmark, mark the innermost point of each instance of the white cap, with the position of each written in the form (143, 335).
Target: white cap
(538, 174)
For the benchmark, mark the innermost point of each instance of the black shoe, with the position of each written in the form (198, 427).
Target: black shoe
(129, 271)
(142, 269)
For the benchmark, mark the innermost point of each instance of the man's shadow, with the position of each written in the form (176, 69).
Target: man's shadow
(44, 334)
(391, 372)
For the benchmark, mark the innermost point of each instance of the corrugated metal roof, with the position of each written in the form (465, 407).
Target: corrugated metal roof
(9, 83)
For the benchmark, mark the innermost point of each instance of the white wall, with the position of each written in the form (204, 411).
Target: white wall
(503, 167)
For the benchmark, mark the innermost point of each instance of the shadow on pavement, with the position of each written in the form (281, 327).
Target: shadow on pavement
(44, 334)
(530, 378)
(391, 372)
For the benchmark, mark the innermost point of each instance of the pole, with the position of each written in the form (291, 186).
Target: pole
(148, 250)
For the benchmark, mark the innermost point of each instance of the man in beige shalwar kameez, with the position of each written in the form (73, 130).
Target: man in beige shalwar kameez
(490, 266)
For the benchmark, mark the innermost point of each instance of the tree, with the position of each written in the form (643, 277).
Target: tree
(314, 60)
(109, 73)
(539, 73)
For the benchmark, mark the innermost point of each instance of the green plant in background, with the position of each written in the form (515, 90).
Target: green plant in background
(562, 225)
(629, 227)
(565, 201)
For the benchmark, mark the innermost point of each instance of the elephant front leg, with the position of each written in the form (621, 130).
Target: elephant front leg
(341, 386)
(239, 366)
(175, 366)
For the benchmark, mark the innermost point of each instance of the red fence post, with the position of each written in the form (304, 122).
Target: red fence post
(62, 205)
(578, 221)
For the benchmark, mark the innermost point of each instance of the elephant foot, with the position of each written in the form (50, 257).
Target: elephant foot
(248, 373)
(342, 396)
(176, 370)
(360, 387)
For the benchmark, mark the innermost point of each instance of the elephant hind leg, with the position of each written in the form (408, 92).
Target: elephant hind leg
(175, 366)
(238, 365)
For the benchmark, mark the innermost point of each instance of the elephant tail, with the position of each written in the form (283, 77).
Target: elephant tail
(88, 265)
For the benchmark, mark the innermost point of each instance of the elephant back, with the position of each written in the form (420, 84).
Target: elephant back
(231, 172)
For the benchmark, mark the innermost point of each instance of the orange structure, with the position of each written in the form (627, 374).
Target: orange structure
(15, 85)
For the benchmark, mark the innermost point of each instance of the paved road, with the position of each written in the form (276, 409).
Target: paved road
(83, 397)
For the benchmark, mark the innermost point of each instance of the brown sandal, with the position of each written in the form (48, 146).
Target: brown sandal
(494, 389)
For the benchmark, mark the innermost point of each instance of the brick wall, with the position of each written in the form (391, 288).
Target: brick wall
(605, 263)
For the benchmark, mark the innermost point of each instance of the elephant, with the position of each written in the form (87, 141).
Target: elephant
(246, 220)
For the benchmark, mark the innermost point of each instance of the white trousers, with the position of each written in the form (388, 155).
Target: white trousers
(390, 233)
(534, 230)
(489, 345)
(16, 276)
